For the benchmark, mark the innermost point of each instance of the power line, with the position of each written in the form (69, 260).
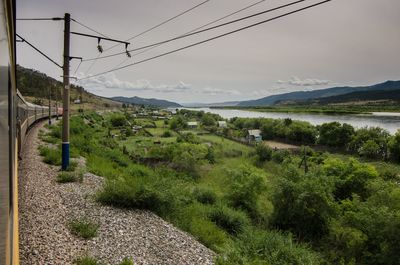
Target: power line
(39, 51)
(200, 27)
(201, 31)
(89, 28)
(210, 39)
(162, 23)
(42, 18)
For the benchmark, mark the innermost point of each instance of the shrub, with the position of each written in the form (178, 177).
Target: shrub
(394, 147)
(83, 228)
(117, 120)
(334, 134)
(207, 233)
(280, 155)
(258, 247)
(205, 196)
(126, 261)
(264, 152)
(51, 156)
(166, 134)
(66, 177)
(86, 260)
(232, 221)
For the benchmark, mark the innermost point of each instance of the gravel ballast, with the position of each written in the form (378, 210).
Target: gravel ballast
(46, 208)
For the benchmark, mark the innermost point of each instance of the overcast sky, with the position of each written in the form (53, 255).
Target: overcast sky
(343, 42)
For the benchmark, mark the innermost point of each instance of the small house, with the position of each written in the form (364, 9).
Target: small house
(222, 124)
(77, 101)
(254, 136)
(192, 124)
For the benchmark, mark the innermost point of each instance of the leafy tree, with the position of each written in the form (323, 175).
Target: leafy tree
(208, 120)
(177, 123)
(118, 120)
(264, 152)
(394, 147)
(375, 134)
(304, 207)
(335, 134)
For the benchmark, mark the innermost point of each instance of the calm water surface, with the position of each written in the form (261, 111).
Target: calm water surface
(386, 120)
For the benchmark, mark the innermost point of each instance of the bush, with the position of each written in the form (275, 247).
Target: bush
(334, 134)
(232, 221)
(86, 260)
(66, 177)
(208, 233)
(166, 134)
(118, 120)
(126, 261)
(280, 155)
(51, 156)
(264, 152)
(245, 192)
(205, 196)
(261, 247)
(83, 228)
(394, 147)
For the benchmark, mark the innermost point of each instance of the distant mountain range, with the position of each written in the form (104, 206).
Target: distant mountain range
(147, 102)
(301, 96)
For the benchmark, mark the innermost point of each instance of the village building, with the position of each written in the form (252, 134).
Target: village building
(192, 124)
(222, 124)
(254, 136)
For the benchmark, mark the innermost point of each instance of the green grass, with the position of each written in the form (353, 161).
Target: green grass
(50, 156)
(83, 228)
(66, 177)
(126, 261)
(86, 260)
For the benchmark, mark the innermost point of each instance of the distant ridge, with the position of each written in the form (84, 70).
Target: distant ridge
(321, 93)
(147, 101)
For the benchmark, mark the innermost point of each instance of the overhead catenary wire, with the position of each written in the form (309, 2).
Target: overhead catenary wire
(198, 28)
(210, 39)
(201, 31)
(162, 23)
(93, 30)
(38, 50)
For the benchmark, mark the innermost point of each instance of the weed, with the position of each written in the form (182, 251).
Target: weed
(66, 177)
(232, 221)
(86, 260)
(51, 156)
(83, 228)
(126, 261)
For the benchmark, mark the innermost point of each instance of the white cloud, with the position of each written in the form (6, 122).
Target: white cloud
(217, 91)
(295, 81)
(110, 81)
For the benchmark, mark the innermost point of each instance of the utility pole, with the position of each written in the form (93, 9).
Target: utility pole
(50, 105)
(65, 120)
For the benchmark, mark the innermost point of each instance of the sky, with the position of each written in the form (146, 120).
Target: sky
(340, 43)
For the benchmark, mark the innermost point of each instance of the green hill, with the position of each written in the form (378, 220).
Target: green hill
(36, 87)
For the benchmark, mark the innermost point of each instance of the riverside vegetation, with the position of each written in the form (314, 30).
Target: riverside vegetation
(252, 205)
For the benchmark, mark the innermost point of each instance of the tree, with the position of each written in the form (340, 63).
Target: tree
(208, 120)
(394, 147)
(264, 152)
(334, 134)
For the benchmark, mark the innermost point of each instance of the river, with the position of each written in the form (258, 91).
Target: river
(386, 120)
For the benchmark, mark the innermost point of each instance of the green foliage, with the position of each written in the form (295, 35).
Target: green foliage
(188, 138)
(280, 155)
(86, 260)
(84, 228)
(66, 177)
(259, 247)
(245, 191)
(51, 156)
(334, 134)
(126, 261)
(304, 206)
(205, 195)
(166, 134)
(394, 147)
(118, 120)
(208, 120)
(370, 142)
(178, 122)
(232, 221)
(264, 152)
(349, 177)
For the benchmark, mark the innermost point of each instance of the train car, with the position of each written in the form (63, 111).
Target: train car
(16, 117)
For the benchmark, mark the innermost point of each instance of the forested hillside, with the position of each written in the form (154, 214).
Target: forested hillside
(36, 87)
